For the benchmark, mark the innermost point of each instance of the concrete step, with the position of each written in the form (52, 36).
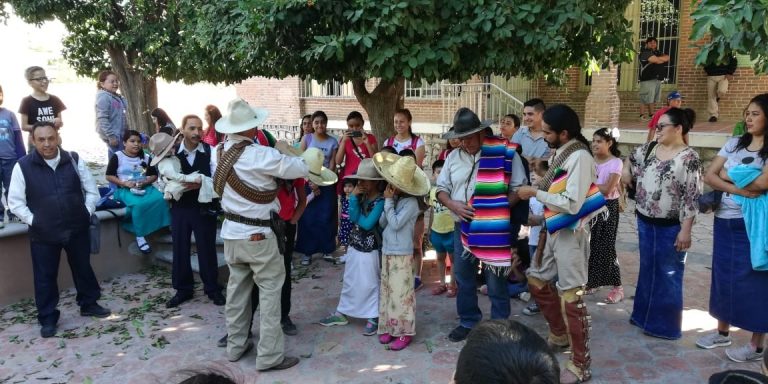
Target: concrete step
(166, 256)
(166, 238)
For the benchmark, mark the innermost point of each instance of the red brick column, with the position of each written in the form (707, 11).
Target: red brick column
(602, 105)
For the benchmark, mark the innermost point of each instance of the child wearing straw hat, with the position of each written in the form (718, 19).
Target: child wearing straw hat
(360, 292)
(397, 317)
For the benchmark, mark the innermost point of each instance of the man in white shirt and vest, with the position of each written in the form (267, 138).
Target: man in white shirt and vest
(53, 192)
(246, 181)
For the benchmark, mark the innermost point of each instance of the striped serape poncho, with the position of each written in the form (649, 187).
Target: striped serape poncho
(487, 235)
(593, 205)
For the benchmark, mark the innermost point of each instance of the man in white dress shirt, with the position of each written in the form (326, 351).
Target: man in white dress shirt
(245, 179)
(53, 192)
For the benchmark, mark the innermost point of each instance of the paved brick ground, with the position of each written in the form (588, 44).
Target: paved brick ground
(159, 342)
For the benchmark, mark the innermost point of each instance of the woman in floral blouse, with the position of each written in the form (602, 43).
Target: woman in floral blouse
(667, 179)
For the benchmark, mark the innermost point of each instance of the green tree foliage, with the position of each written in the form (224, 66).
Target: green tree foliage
(353, 40)
(137, 39)
(738, 26)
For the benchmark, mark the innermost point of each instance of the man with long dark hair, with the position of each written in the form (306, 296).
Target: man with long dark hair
(565, 190)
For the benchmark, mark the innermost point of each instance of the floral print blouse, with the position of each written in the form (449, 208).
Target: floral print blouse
(667, 189)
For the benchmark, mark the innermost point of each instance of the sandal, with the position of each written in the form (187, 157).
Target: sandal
(145, 248)
(439, 290)
(616, 295)
(451, 291)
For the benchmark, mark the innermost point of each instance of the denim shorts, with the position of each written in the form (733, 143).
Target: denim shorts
(442, 242)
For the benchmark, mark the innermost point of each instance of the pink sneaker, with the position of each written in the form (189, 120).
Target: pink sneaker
(385, 338)
(401, 343)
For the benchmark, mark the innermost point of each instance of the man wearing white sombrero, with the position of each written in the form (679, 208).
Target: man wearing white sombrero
(245, 179)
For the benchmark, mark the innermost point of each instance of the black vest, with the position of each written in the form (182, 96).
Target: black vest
(54, 197)
(202, 165)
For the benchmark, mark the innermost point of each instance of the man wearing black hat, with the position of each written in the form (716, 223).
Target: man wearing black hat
(456, 191)
(651, 73)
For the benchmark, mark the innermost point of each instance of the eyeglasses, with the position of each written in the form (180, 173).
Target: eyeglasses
(41, 79)
(659, 127)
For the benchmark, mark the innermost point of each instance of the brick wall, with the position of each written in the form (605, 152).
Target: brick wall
(280, 97)
(283, 99)
(602, 105)
(691, 82)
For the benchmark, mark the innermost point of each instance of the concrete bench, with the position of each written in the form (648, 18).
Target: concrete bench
(16, 280)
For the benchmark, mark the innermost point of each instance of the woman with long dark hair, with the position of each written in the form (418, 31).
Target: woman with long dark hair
(738, 294)
(603, 267)
(316, 230)
(667, 178)
(163, 122)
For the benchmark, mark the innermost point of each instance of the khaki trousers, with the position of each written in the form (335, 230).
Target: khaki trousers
(717, 86)
(256, 262)
(566, 255)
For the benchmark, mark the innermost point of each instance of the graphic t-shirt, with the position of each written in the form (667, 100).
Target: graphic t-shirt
(37, 110)
(9, 130)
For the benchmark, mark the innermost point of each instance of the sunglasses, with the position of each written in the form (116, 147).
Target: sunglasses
(659, 127)
(41, 79)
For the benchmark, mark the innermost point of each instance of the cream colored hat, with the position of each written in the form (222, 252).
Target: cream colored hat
(241, 117)
(402, 172)
(366, 171)
(159, 145)
(313, 157)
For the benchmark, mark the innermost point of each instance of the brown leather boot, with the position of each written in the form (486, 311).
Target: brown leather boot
(578, 322)
(549, 302)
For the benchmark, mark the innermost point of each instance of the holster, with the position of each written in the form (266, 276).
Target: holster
(278, 227)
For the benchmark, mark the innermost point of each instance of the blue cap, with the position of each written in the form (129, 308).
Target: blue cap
(674, 95)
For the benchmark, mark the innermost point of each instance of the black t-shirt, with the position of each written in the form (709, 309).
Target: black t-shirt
(648, 70)
(112, 167)
(37, 110)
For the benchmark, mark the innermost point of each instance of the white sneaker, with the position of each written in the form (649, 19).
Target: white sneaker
(525, 296)
(713, 340)
(744, 353)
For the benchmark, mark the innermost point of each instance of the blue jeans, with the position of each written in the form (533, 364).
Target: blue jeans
(6, 168)
(465, 271)
(516, 289)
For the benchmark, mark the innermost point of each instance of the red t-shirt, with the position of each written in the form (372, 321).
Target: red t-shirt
(286, 195)
(351, 157)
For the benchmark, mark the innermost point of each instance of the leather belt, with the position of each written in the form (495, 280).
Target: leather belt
(247, 220)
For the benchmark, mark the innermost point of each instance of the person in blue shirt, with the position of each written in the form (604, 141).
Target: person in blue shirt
(11, 150)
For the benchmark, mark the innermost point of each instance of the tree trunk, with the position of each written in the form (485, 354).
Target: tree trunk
(139, 90)
(380, 104)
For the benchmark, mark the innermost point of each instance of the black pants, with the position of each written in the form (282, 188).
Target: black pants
(45, 265)
(285, 293)
(185, 221)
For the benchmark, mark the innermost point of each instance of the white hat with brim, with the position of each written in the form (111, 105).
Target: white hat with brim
(313, 157)
(241, 117)
(366, 171)
(159, 145)
(402, 172)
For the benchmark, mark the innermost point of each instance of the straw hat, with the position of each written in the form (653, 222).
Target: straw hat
(241, 117)
(159, 145)
(402, 172)
(366, 171)
(313, 157)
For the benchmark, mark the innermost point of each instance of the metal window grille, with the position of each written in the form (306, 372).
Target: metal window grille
(661, 18)
(423, 90)
(329, 89)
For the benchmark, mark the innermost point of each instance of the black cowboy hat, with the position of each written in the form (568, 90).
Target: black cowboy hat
(465, 123)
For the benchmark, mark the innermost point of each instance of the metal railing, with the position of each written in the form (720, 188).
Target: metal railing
(488, 100)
